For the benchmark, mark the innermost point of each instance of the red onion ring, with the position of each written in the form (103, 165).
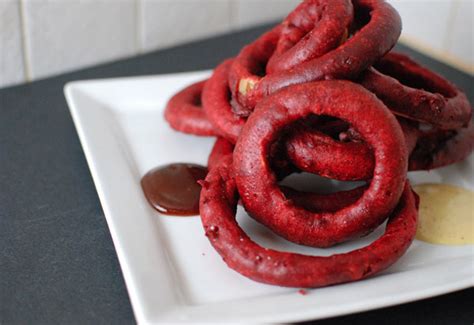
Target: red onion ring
(347, 61)
(417, 93)
(184, 112)
(218, 206)
(256, 182)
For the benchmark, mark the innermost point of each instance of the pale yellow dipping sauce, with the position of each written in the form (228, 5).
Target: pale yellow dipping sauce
(446, 214)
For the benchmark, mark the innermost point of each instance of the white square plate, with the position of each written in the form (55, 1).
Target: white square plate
(171, 271)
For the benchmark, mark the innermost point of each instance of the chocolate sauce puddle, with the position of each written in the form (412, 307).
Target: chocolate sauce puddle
(173, 189)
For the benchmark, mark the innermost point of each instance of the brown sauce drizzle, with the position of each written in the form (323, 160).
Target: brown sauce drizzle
(173, 189)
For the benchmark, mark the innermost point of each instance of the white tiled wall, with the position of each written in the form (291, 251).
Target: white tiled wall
(460, 44)
(254, 12)
(39, 38)
(168, 22)
(440, 28)
(416, 16)
(11, 48)
(61, 35)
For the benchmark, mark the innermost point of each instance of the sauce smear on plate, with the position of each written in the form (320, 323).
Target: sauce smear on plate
(446, 214)
(173, 189)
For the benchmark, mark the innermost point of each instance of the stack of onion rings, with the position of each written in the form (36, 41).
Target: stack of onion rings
(321, 93)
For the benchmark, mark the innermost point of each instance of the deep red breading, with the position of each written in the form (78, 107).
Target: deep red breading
(185, 114)
(218, 205)
(257, 185)
(321, 93)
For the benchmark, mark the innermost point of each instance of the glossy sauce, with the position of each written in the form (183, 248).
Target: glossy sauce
(446, 214)
(173, 189)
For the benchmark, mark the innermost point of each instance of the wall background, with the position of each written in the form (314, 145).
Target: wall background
(41, 38)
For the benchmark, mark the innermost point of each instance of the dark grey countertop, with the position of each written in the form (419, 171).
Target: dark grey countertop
(57, 259)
